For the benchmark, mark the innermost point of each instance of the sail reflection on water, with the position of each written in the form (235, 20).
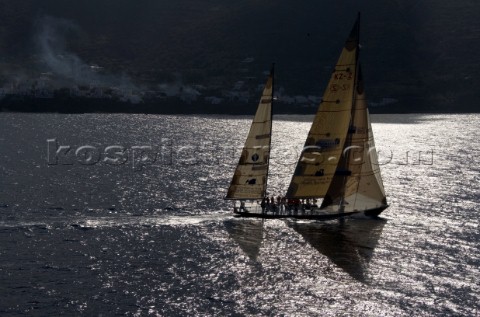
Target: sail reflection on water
(348, 243)
(248, 234)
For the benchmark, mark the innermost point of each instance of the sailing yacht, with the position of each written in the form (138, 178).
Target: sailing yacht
(338, 163)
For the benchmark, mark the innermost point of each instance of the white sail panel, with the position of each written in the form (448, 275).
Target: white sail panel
(250, 177)
(323, 147)
(371, 184)
(369, 192)
(364, 190)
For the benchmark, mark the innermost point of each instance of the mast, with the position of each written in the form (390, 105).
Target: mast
(323, 148)
(348, 142)
(250, 178)
(272, 76)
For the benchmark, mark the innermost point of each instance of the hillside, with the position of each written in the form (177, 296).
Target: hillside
(205, 56)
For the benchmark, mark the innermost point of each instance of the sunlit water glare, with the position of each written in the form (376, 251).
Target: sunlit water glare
(154, 236)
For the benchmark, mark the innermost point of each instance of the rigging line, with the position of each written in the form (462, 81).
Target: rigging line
(353, 110)
(272, 74)
(367, 140)
(358, 77)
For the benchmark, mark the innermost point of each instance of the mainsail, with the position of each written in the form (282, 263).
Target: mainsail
(325, 142)
(250, 178)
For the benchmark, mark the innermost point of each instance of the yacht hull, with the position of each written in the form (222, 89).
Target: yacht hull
(308, 215)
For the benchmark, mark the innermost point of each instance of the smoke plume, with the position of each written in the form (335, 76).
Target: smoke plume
(52, 39)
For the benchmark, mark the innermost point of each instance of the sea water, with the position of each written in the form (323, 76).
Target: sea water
(119, 214)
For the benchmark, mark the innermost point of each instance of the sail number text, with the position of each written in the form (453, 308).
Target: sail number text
(337, 87)
(344, 76)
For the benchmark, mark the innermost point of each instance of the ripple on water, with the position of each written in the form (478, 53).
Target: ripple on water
(79, 239)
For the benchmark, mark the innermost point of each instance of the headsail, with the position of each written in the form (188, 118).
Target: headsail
(250, 178)
(323, 148)
(360, 186)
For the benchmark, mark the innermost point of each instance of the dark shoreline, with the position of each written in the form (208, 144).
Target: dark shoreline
(177, 106)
